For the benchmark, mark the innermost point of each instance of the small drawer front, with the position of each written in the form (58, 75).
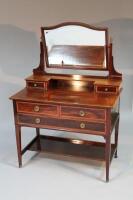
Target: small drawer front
(35, 84)
(36, 108)
(63, 124)
(83, 113)
(106, 89)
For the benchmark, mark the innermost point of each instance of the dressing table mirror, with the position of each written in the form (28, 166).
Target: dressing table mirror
(82, 97)
(74, 46)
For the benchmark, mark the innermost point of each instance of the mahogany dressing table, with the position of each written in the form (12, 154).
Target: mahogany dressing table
(86, 104)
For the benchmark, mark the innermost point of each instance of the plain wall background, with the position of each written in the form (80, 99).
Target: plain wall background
(30, 14)
(20, 23)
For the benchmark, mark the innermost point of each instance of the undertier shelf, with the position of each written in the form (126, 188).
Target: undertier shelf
(69, 147)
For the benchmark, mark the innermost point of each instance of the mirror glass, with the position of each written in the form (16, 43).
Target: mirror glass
(74, 46)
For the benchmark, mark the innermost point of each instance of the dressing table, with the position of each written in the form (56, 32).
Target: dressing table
(82, 97)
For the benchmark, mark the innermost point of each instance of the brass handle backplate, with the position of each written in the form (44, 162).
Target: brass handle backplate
(82, 113)
(37, 120)
(82, 125)
(36, 108)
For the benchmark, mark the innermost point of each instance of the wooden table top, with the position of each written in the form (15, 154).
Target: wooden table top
(57, 96)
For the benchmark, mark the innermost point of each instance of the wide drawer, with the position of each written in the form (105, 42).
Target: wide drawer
(83, 113)
(34, 108)
(62, 124)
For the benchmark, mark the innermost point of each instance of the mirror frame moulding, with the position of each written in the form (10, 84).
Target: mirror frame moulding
(74, 24)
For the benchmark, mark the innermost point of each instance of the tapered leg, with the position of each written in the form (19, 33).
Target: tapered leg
(116, 136)
(107, 156)
(18, 141)
(38, 139)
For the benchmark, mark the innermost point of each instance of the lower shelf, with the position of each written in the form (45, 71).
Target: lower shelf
(70, 147)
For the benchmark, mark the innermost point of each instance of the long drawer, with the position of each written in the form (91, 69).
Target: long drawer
(37, 108)
(83, 113)
(97, 128)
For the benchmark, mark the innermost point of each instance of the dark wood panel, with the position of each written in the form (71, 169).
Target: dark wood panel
(44, 109)
(83, 113)
(62, 124)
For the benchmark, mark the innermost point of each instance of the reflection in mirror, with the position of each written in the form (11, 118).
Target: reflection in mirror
(75, 46)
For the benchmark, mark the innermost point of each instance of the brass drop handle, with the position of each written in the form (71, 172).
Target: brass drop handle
(82, 125)
(35, 84)
(36, 108)
(81, 113)
(106, 89)
(37, 120)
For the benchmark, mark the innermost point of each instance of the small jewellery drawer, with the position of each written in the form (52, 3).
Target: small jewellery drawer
(62, 124)
(106, 89)
(35, 84)
(83, 113)
(34, 108)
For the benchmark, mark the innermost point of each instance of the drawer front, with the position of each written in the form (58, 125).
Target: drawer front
(106, 89)
(83, 113)
(35, 84)
(62, 124)
(37, 108)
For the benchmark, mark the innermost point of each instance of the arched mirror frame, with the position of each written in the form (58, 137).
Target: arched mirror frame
(73, 29)
(41, 69)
